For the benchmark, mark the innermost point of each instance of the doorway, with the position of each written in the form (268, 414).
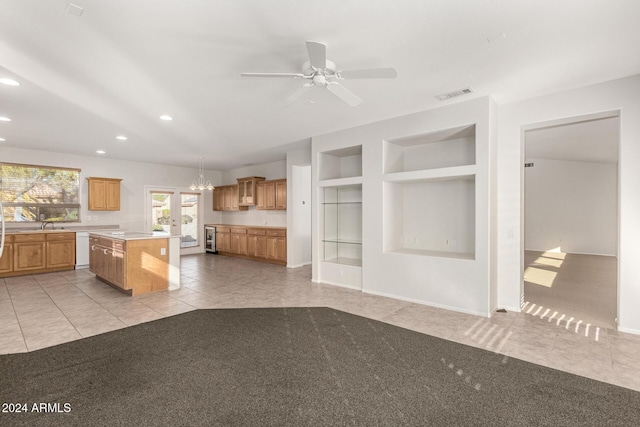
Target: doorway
(571, 221)
(172, 211)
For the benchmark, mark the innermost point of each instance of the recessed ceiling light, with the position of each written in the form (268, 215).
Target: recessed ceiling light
(121, 137)
(101, 152)
(166, 117)
(4, 119)
(9, 82)
(2, 140)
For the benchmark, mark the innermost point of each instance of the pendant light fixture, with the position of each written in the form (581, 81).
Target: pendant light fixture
(200, 183)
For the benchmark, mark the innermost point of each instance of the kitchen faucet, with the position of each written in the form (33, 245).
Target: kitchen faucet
(44, 225)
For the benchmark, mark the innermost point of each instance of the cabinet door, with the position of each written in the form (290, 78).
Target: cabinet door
(270, 195)
(61, 253)
(223, 242)
(29, 256)
(218, 199)
(281, 195)
(97, 195)
(6, 261)
(234, 198)
(119, 268)
(260, 196)
(260, 247)
(112, 197)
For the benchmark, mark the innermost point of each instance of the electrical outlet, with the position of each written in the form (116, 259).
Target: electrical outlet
(163, 251)
(88, 217)
(95, 217)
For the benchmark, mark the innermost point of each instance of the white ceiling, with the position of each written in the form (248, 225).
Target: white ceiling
(122, 63)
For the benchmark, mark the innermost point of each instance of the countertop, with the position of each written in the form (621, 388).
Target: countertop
(133, 235)
(248, 226)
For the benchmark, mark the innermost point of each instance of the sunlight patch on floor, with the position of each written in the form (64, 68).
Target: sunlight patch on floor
(539, 276)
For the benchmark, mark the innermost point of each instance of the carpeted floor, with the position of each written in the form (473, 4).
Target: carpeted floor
(294, 366)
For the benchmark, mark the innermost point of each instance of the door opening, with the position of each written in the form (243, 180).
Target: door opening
(571, 222)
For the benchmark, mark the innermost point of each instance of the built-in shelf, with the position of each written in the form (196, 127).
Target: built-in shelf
(342, 163)
(342, 234)
(341, 182)
(433, 150)
(429, 187)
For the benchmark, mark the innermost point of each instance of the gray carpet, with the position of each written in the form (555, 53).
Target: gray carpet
(295, 366)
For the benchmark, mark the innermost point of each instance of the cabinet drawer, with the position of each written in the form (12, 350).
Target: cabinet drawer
(8, 238)
(222, 229)
(239, 230)
(94, 239)
(29, 238)
(60, 236)
(256, 232)
(277, 233)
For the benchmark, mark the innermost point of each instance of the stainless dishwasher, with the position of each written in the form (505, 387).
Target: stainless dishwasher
(82, 249)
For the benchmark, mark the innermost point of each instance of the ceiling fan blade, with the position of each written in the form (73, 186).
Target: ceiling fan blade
(343, 93)
(276, 75)
(368, 73)
(298, 93)
(317, 54)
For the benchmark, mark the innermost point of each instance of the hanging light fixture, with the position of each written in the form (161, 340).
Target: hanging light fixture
(200, 183)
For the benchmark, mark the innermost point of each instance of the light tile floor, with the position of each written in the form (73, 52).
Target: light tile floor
(49, 309)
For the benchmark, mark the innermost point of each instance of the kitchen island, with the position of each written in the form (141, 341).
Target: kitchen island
(135, 262)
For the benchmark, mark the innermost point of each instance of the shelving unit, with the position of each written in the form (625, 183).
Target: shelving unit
(342, 211)
(429, 193)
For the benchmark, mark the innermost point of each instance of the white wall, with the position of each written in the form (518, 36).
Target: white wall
(621, 95)
(135, 176)
(571, 205)
(448, 282)
(273, 170)
(299, 207)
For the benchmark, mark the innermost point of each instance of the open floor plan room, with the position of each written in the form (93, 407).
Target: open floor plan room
(44, 310)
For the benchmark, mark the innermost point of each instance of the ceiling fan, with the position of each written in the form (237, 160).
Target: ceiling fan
(319, 71)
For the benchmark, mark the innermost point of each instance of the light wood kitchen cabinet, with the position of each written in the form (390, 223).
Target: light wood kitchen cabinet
(272, 195)
(225, 198)
(218, 199)
(223, 239)
(277, 245)
(266, 244)
(6, 261)
(281, 194)
(238, 241)
(38, 252)
(61, 250)
(136, 266)
(247, 190)
(257, 242)
(104, 194)
(29, 252)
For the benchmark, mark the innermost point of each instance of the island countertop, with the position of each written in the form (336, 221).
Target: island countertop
(134, 235)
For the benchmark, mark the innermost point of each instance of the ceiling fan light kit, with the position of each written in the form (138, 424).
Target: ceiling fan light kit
(321, 72)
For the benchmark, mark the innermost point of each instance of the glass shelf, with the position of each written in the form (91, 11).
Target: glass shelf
(342, 235)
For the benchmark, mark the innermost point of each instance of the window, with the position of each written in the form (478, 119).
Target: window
(33, 193)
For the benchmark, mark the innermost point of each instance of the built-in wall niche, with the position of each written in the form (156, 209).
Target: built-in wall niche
(434, 217)
(440, 149)
(342, 223)
(341, 163)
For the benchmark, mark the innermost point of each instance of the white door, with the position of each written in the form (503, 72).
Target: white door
(176, 212)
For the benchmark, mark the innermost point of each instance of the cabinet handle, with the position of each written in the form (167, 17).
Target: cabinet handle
(106, 251)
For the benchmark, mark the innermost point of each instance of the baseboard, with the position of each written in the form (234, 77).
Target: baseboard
(572, 253)
(629, 330)
(341, 285)
(427, 303)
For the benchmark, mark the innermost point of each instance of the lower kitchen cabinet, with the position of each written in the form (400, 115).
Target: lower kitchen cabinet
(266, 244)
(38, 252)
(134, 266)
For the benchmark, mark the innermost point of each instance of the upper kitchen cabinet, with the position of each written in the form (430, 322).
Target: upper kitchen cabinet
(247, 190)
(271, 195)
(104, 194)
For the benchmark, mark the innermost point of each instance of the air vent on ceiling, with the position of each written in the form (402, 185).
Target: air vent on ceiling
(455, 93)
(74, 9)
